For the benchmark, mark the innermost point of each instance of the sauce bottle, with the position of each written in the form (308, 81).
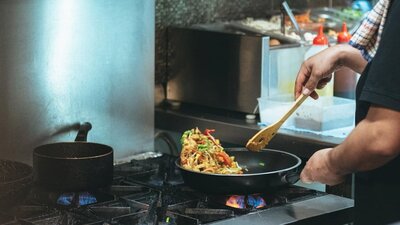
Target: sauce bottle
(345, 79)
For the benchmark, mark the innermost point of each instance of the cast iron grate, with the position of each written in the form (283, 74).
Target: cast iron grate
(144, 192)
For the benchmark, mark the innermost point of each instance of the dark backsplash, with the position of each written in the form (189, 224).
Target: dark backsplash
(188, 12)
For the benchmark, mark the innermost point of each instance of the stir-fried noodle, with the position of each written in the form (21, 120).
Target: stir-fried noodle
(203, 153)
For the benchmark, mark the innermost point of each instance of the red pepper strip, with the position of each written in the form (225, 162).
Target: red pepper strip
(208, 132)
(226, 158)
(220, 158)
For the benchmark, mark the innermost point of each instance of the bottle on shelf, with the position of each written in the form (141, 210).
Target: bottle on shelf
(320, 43)
(345, 79)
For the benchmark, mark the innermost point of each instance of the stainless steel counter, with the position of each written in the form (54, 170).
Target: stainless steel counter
(327, 209)
(233, 128)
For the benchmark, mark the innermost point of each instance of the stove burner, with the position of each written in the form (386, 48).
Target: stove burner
(56, 199)
(76, 199)
(143, 192)
(256, 201)
(246, 201)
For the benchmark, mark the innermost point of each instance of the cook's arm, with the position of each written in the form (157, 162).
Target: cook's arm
(373, 142)
(351, 57)
(316, 71)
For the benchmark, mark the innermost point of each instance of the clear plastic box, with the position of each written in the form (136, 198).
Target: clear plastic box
(272, 109)
(326, 113)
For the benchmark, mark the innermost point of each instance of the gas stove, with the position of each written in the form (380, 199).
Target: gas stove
(151, 191)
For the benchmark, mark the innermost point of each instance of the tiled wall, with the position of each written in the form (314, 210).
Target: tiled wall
(187, 12)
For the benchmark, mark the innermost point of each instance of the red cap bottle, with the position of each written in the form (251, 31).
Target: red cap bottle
(345, 80)
(343, 36)
(321, 38)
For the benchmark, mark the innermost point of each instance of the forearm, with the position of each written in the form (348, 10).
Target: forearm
(317, 70)
(351, 57)
(372, 143)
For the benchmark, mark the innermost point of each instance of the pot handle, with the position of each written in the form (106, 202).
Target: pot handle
(290, 178)
(84, 129)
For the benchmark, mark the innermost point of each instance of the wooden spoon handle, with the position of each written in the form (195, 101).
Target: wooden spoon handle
(296, 105)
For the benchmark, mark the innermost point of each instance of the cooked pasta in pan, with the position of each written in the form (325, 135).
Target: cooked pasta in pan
(203, 153)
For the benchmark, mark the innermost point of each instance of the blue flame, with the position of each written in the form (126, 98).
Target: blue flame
(256, 201)
(65, 199)
(84, 198)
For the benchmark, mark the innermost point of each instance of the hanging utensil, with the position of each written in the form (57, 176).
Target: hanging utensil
(288, 10)
(264, 136)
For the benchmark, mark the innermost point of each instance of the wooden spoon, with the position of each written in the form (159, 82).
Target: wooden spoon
(264, 136)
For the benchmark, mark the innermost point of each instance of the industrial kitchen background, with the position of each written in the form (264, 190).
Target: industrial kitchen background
(105, 66)
(189, 12)
(66, 62)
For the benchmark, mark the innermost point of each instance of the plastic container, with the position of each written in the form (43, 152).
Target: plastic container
(283, 68)
(273, 108)
(326, 113)
(320, 43)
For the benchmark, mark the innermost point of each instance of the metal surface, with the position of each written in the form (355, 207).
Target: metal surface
(263, 171)
(284, 61)
(67, 61)
(229, 65)
(302, 212)
(211, 68)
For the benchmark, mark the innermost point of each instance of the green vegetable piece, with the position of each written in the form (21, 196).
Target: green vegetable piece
(202, 147)
(185, 135)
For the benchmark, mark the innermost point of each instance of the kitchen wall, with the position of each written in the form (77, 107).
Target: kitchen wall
(69, 61)
(188, 12)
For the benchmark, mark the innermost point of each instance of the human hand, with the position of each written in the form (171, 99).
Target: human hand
(319, 169)
(316, 72)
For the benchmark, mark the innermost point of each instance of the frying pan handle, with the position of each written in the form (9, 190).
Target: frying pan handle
(84, 129)
(290, 178)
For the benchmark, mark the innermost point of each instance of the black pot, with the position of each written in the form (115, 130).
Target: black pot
(73, 166)
(264, 171)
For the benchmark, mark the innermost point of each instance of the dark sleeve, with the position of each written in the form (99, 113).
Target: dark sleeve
(382, 86)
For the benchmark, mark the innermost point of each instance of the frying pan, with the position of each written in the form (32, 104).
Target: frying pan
(266, 170)
(73, 166)
(15, 182)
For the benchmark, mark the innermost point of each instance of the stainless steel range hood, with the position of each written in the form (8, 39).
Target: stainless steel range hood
(68, 61)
